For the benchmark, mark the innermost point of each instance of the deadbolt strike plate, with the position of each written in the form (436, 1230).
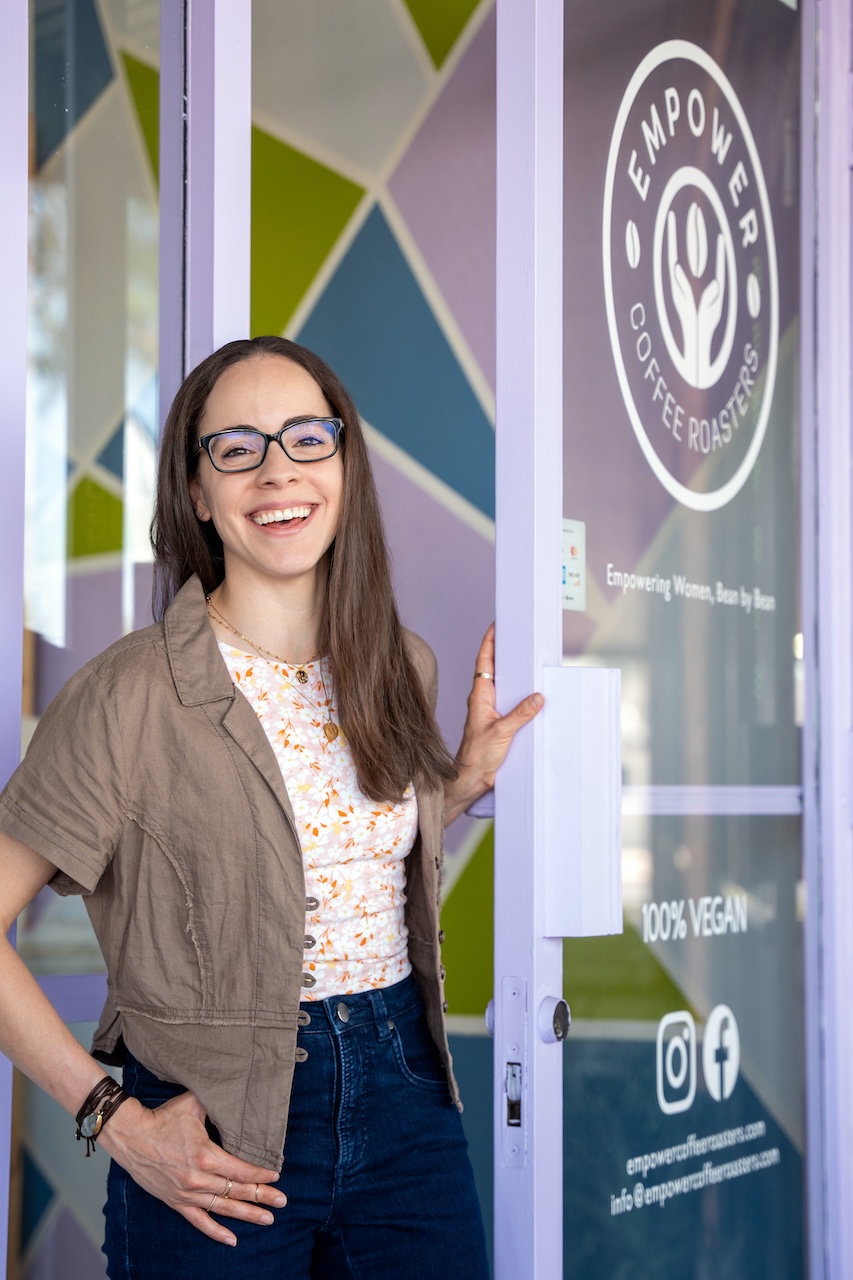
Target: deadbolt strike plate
(514, 1021)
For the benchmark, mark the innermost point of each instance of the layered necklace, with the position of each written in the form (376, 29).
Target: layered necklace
(330, 729)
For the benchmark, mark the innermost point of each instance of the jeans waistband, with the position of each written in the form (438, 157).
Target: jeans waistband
(344, 1013)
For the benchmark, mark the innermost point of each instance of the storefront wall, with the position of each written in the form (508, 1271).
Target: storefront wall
(373, 238)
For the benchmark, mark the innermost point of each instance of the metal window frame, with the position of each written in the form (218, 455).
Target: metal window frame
(827, 293)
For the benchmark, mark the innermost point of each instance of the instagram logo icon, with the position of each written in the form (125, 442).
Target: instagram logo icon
(676, 1062)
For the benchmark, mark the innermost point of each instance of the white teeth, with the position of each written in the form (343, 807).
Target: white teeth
(288, 513)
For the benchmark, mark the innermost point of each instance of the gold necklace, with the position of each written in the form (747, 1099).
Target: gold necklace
(330, 729)
(299, 667)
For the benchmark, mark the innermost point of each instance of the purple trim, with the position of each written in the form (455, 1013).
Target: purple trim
(205, 182)
(528, 1164)
(828, 635)
(817, 1243)
(14, 167)
(218, 174)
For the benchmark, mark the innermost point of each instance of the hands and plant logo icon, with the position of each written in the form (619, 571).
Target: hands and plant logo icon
(690, 275)
(700, 317)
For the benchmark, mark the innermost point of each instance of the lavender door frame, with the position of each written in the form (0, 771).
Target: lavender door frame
(14, 175)
(528, 1162)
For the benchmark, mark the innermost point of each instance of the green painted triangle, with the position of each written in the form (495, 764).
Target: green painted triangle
(615, 978)
(299, 208)
(440, 23)
(94, 520)
(144, 84)
(467, 919)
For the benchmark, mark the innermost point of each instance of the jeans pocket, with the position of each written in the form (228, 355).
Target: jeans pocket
(147, 1088)
(416, 1052)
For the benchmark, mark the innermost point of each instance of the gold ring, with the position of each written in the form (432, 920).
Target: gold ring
(257, 1193)
(483, 675)
(212, 1203)
(228, 1185)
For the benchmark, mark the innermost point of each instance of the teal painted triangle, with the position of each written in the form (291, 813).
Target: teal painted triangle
(377, 331)
(71, 68)
(111, 456)
(36, 1195)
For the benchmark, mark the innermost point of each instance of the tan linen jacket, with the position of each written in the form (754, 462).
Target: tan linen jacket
(152, 787)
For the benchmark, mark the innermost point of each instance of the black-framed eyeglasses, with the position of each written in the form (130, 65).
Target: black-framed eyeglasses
(244, 448)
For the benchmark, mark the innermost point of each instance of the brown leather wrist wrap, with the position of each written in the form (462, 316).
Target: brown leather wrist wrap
(106, 1097)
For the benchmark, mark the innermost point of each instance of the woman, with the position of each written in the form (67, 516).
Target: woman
(251, 794)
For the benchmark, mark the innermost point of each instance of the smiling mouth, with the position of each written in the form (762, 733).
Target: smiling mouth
(286, 515)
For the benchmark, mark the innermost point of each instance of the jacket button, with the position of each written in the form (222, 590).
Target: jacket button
(444, 1006)
(303, 1018)
(308, 980)
(437, 863)
(309, 942)
(442, 972)
(301, 1055)
(311, 904)
(440, 936)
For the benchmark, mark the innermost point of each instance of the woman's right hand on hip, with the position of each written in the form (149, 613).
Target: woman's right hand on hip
(168, 1152)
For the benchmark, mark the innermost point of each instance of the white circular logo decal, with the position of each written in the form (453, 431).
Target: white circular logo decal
(690, 279)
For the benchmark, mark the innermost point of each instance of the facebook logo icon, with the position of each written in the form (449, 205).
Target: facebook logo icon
(721, 1052)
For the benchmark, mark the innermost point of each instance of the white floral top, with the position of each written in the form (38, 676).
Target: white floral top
(352, 848)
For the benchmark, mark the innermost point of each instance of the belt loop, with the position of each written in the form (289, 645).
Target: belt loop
(380, 1014)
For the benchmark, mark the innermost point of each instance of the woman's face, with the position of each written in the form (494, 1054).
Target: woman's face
(303, 498)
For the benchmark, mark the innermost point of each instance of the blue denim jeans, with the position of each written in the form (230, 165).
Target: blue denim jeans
(376, 1169)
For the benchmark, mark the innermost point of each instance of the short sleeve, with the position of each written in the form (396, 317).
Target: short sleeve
(67, 799)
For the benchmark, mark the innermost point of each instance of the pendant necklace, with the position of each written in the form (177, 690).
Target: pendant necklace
(330, 729)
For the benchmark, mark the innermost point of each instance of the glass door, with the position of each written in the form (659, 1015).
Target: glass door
(684, 1101)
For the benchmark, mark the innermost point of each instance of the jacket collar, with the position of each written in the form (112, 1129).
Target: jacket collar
(198, 671)
(201, 677)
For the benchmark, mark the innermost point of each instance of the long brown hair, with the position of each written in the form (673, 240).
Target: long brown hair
(382, 706)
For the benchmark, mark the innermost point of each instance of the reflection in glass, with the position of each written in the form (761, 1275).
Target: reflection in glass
(92, 370)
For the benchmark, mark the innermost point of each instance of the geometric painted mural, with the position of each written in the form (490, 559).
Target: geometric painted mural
(376, 328)
(444, 187)
(66, 36)
(94, 520)
(299, 209)
(372, 240)
(144, 84)
(440, 22)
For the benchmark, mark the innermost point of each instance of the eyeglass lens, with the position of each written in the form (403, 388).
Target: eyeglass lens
(243, 449)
